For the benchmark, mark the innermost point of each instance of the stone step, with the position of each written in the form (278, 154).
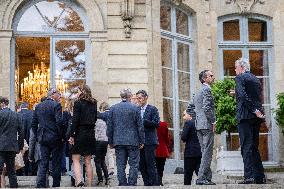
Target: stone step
(275, 180)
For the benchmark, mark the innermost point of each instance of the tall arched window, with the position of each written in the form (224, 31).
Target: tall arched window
(50, 49)
(249, 37)
(177, 69)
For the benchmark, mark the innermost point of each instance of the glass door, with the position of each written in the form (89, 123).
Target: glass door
(69, 68)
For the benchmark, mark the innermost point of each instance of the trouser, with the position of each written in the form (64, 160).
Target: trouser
(191, 164)
(206, 141)
(249, 140)
(124, 152)
(110, 159)
(148, 165)
(56, 153)
(101, 149)
(160, 162)
(9, 159)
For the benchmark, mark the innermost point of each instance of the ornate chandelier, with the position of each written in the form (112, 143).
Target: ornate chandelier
(36, 85)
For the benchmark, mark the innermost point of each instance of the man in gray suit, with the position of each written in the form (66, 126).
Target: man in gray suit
(126, 134)
(205, 124)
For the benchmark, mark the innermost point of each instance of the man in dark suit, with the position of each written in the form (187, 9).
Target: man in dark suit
(125, 133)
(151, 120)
(11, 140)
(249, 117)
(47, 126)
(26, 116)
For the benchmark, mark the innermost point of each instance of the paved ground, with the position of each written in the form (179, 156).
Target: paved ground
(275, 180)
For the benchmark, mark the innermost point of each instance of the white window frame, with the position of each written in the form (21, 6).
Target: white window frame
(244, 45)
(176, 38)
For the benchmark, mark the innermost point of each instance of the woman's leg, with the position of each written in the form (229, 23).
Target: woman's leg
(89, 170)
(77, 168)
(98, 165)
(2, 180)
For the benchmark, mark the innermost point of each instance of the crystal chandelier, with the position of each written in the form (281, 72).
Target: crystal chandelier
(36, 85)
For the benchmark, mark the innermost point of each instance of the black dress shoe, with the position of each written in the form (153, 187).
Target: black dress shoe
(81, 184)
(260, 181)
(204, 182)
(247, 181)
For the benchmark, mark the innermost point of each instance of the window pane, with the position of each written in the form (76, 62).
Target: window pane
(168, 112)
(172, 144)
(182, 146)
(183, 86)
(167, 79)
(70, 59)
(265, 94)
(264, 140)
(50, 16)
(32, 79)
(181, 22)
(183, 57)
(257, 30)
(166, 54)
(231, 30)
(165, 17)
(259, 62)
(229, 59)
(182, 107)
(69, 87)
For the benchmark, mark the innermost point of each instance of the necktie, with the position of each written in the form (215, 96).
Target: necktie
(142, 112)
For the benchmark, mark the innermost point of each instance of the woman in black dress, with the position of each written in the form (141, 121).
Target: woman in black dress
(82, 134)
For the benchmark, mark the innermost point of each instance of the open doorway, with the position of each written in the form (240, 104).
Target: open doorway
(32, 69)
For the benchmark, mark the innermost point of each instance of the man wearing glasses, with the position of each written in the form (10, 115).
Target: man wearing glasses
(205, 126)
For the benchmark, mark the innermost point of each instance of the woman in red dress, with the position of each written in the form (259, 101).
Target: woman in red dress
(162, 151)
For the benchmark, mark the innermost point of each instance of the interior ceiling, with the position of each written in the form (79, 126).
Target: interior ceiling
(28, 46)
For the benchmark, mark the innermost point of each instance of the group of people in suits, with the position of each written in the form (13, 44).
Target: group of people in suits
(201, 121)
(131, 129)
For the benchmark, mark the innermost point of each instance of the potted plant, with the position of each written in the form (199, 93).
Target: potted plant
(280, 111)
(228, 162)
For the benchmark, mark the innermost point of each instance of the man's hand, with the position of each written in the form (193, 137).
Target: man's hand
(232, 92)
(214, 126)
(71, 140)
(259, 114)
(141, 146)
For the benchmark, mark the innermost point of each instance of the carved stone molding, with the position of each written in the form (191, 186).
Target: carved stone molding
(127, 15)
(177, 2)
(245, 5)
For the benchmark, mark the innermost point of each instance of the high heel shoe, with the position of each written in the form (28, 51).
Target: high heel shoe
(81, 184)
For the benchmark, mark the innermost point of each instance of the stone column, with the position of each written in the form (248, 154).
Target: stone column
(97, 70)
(5, 63)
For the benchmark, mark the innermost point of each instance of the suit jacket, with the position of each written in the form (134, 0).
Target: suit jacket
(124, 125)
(204, 108)
(47, 123)
(248, 93)
(11, 132)
(189, 136)
(151, 120)
(164, 140)
(34, 148)
(26, 116)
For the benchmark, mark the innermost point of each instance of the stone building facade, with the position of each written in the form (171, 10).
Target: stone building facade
(159, 46)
